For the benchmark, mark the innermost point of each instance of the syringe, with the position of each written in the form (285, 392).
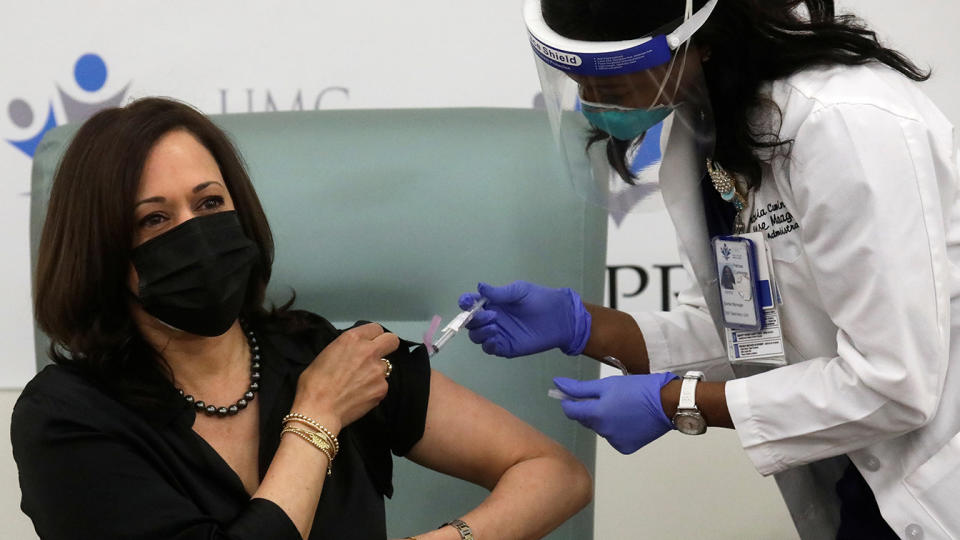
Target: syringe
(456, 324)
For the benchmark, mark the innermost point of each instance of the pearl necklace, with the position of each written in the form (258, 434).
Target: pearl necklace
(240, 404)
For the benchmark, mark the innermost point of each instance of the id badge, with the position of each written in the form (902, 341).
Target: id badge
(736, 258)
(764, 347)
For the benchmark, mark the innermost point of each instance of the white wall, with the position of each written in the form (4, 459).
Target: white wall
(925, 30)
(240, 56)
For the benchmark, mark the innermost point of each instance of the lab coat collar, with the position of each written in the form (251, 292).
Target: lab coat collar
(681, 171)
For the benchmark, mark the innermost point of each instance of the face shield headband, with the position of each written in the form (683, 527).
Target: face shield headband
(601, 58)
(602, 98)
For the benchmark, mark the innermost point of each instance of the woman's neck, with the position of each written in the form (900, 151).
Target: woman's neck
(199, 363)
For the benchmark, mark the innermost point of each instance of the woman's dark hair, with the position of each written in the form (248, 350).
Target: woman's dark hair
(750, 42)
(81, 293)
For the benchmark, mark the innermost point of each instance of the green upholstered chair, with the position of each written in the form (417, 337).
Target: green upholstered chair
(388, 215)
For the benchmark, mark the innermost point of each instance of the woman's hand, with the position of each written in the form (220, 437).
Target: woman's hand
(524, 318)
(627, 411)
(347, 379)
(343, 383)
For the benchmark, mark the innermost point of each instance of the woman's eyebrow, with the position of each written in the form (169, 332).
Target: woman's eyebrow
(197, 189)
(150, 200)
(205, 185)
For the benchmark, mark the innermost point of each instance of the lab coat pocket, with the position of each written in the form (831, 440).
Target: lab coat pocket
(785, 247)
(936, 484)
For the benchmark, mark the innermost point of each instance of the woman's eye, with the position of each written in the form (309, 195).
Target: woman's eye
(152, 220)
(211, 203)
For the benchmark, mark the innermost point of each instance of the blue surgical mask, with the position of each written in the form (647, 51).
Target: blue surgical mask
(623, 123)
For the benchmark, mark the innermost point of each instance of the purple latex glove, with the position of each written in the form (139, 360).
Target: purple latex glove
(524, 318)
(625, 410)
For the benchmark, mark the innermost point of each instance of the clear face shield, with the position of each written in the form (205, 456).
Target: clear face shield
(603, 97)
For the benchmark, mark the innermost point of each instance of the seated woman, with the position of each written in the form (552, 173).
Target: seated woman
(179, 407)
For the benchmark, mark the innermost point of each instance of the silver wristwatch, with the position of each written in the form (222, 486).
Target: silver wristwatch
(688, 419)
(461, 527)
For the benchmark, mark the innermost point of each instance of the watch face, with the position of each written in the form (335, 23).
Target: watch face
(690, 423)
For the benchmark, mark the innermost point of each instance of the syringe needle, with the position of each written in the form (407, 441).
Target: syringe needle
(457, 323)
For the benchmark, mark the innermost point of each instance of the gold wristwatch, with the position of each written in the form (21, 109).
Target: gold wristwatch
(465, 532)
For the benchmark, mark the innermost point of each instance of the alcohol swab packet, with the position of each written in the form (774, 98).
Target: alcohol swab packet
(559, 394)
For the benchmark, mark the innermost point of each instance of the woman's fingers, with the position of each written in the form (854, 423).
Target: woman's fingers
(484, 333)
(467, 300)
(349, 376)
(483, 317)
(367, 331)
(506, 294)
(383, 342)
(386, 343)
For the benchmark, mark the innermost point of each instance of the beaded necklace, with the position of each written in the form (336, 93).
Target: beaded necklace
(240, 404)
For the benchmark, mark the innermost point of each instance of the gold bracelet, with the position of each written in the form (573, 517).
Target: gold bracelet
(331, 440)
(303, 435)
(320, 437)
(316, 440)
(319, 428)
(297, 417)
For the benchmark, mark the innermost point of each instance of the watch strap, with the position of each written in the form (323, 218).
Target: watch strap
(465, 532)
(688, 391)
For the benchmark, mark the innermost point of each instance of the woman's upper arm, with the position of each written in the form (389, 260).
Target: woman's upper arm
(471, 438)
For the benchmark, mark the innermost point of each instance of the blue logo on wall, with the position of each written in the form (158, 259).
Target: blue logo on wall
(90, 74)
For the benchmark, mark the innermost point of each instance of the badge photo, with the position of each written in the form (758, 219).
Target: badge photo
(737, 272)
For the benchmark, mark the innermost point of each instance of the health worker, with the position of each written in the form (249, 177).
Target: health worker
(813, 188)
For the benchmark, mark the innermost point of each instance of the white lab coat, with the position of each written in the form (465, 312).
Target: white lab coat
(870, 280)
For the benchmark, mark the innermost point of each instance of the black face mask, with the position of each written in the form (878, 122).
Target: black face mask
(194, 277)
